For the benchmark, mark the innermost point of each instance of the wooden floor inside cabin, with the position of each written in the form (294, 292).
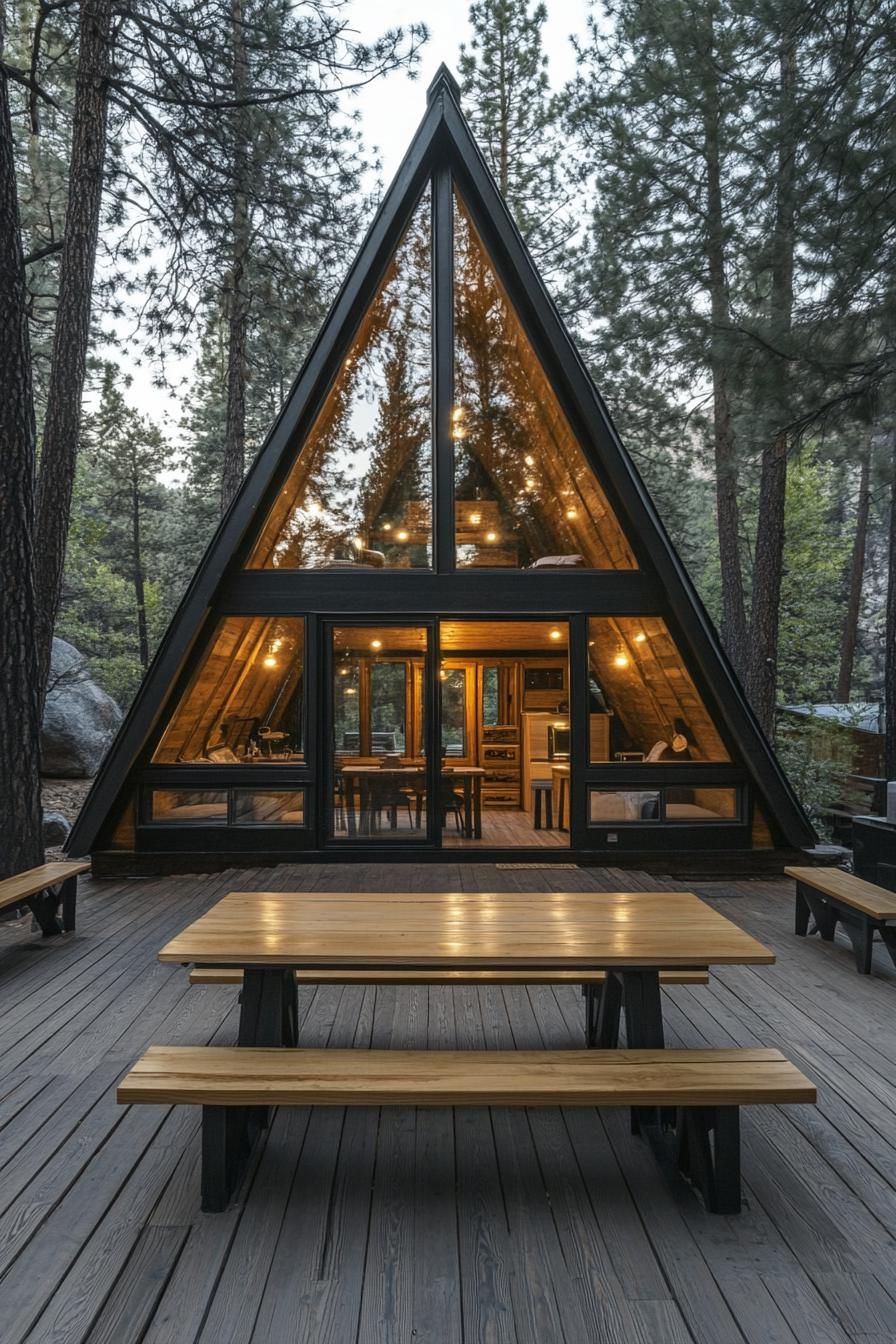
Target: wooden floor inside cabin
(507, 828)
(394, 1225)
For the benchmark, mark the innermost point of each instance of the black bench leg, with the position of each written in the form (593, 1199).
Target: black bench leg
(889, 937)
(825, 915)
(861, 934)
(801, 922)
(69, 893)
(224, 1146)
(709, 1154)
(43, 908)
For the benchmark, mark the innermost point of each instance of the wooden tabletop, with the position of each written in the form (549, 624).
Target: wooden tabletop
(577, 929)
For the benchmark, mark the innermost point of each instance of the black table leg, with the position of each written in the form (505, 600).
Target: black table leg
(269, 1015)
(643, 1026)
(468, 807)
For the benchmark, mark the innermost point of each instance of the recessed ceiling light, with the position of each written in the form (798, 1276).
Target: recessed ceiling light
(621, 660)
(376, 643)
(556, 634)
(640, 638)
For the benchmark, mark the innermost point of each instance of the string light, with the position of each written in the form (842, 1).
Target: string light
(270, 661)
(402, 535)
(572, 513)
(621, 660)
(640, 638)
(491, 536)
(376, 643)
(556, 634)
(475, 519)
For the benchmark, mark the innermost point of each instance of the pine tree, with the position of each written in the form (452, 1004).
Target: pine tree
(516, 120)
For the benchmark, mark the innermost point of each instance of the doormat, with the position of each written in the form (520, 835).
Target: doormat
(566, 867)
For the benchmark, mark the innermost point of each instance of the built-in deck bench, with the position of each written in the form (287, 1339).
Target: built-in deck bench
(834, 897)
(592, 984)
(43, 889)
(706, 1088)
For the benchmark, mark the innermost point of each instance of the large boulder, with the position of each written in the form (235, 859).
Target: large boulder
(80, 719)
(56, 829)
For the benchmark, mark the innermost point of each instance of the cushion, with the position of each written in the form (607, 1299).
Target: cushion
(559, 562)
(223, 756)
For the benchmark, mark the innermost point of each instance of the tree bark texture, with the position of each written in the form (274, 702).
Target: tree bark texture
(734, 621)
(236, 297)
(20, 810)
(856, 578)
(765, 610)
(59, 449)
(890, 637)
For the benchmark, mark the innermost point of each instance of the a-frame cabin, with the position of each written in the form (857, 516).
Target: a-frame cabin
(442, 612)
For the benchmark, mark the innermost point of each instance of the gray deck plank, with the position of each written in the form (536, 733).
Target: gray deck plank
(433, 1225)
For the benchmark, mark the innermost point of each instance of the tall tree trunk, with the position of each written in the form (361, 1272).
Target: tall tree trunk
(139, 577)
(734, 621)
(890, 637)
(236, 299)
(71, 337)
(856, 578)
(765, 612)
(20, 812)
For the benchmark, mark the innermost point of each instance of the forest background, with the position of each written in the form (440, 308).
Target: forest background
(709, 192)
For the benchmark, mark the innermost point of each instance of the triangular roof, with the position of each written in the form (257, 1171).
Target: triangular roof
(443, 150)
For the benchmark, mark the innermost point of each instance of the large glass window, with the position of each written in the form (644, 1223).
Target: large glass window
(643, 704)
(243, 704)
(378, 743)
(525, 495)
(359, 494)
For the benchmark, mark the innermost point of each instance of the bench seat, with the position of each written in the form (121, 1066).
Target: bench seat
(705, 1086)
(42, 889)
(834, 897)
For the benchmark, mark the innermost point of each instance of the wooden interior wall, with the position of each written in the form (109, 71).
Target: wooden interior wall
(232, 681)
(654, 688)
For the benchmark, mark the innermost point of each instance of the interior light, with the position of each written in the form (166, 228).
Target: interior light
(457, 413)
(640, 638)
(491, 536)
(270, 661)
(402, 535)
(475, 519)
(276, 644)
(591, 643)
(556, 634)
(530, 483)
(387, 527)
(572, 513)
(357, 543)
(376, 643)
(529, 460)
(350, 690)
(343, 671)
(621, 660)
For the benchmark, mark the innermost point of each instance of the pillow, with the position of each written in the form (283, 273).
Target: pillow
(559, 562)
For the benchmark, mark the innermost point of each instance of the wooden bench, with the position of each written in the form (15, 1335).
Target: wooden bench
(833, 897)
(592, 985)
(706, 1088)
(42, 889)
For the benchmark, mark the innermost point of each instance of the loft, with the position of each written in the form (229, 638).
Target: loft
(441, 615)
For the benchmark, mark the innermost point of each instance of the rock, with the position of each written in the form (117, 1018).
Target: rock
(56, 829)
(80, 719)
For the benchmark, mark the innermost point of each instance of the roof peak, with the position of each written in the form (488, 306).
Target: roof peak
(443, 80)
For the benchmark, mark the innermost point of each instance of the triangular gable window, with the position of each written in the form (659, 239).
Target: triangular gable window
(525, 494)
(359, 494)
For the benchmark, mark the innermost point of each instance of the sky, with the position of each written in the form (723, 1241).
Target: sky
(390, 110)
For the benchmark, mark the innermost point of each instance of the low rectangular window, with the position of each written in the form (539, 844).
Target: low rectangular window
(701, 805)
(191, 807)
(615, 805)
(269, 807)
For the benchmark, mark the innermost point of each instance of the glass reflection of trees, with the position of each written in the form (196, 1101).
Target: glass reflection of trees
(360, 491)
(523, 489)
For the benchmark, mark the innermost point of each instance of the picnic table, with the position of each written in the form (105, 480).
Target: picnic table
(632, 936)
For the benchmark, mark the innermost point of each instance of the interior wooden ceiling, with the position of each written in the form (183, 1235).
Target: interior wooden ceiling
(457, 636)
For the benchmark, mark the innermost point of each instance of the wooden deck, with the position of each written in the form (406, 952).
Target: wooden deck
(433, 1226)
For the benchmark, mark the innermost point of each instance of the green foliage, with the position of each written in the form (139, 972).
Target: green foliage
(816, 551)
(818, 780)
